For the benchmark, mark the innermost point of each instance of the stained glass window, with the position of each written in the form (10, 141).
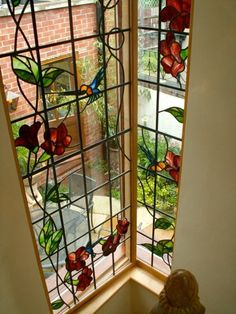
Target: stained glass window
(66, 70)
(67, 78)
(163, 37)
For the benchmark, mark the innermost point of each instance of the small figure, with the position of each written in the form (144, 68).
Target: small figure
(179, 295)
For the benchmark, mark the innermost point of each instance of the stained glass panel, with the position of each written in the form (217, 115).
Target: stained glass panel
(162, 66)
(67, 83)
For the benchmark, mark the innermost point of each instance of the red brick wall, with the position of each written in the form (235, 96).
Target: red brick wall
(52, 26)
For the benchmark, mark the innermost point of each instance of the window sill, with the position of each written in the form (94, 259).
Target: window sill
(152, 281)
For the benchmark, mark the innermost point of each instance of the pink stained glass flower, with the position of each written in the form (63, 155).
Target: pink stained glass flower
(76, 260)
(170, 49)
(56, 140)
(178, 13)
(122, 226)
(84, 279)
(28, 136)
(111, 244)
(173, 163)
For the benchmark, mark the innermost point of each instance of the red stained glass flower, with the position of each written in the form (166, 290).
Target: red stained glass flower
(178, 13)
(56, 140)
(122, 226)
(84, 279)
(170, 49)
(76, 260)
(173, 163)
(28, 136)
(111, 244)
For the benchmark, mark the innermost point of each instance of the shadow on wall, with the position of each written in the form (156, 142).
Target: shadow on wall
(132, 298)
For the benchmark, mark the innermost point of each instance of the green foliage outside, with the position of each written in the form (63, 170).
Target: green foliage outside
(166, 194)
(55, 99)
(166, 191)
(147, 63)
(115, 192)
(144, 92)
(148, 3)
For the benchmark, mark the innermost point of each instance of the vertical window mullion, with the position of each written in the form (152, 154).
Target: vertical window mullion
(157, 123)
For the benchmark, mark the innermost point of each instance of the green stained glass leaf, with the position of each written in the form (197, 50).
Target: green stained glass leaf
(46, 232)
(49, 75)
(44, 157)
(102, 241)
(162, 247)
(148, 246)
(162, 223)
(53, 195)
(53, 242)
(68, 279)
(35, 150)
(15, 3)
(184, 53)
(26, 69)
(57, 304)
(74, 282)
(176, 112)
(62, 198)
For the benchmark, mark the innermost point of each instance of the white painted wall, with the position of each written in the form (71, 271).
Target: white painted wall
(206, 229)
(132, 298)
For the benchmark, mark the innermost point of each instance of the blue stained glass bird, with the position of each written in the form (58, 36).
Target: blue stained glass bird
(92, 90)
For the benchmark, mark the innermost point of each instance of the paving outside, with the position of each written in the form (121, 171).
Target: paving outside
(101, 212)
